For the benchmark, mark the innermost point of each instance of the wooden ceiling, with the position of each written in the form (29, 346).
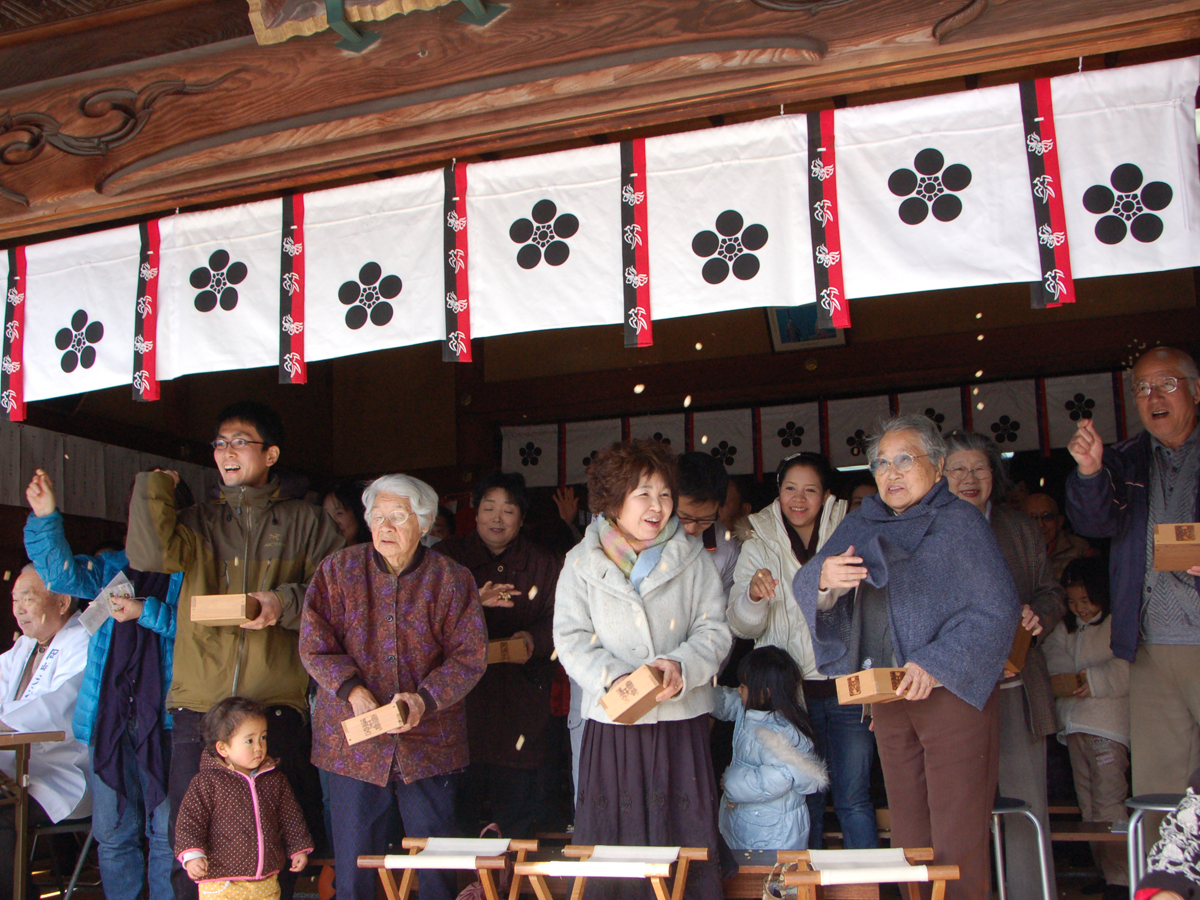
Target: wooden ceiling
(125, 109)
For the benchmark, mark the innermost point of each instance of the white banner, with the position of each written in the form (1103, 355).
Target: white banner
(79, 310)
(544, 241)
(219, 289)
(1077, 397)
(851, 423)
(728, 218)
(1006, 412)
(727, 435)
(532, 450)
(943, 406)
(584, 441)
(374, 266)
(668, 430)
(787, 430)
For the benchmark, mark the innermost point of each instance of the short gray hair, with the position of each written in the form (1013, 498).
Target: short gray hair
(421, 497)
(935, 445)
(971, 440)
(1187, 365)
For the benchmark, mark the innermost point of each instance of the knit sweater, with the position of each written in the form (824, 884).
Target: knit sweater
(952, 604)
(248, 826)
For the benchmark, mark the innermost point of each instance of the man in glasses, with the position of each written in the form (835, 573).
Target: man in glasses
(251, 540)
(1122, 492)
(1061, 546)
(703, 487)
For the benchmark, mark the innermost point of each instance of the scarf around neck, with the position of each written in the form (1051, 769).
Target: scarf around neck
(633, 565)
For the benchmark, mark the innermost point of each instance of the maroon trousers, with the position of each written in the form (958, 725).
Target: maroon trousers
(941, 761)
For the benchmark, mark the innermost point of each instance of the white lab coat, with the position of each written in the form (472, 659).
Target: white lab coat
(58, 773)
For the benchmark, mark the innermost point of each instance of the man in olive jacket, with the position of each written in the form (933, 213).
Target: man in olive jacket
(255, 541)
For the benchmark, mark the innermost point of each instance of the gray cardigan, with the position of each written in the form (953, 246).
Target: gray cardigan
(604, 629)
(952, 604)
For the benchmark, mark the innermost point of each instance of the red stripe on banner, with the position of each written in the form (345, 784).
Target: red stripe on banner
(689, 432)
(823, 426)
(756, 425)
(968, 416)
(13, 398)
(462, 289)
(833, 239)
(641, 250)
(626, 430)
(562, 454)
(1043, 415)
(1058, 215)
(148, 308)
(301, 376)
(1118, 388)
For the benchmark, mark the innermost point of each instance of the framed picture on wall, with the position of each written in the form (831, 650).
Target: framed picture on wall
(795, 328)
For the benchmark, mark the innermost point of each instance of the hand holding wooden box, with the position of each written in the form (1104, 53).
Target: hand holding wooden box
(633, 696)
(1020, 649)
(1176, 547)
(869, 686)
(215, 610)
(509, 650)
(378, 721)
(1066, 684)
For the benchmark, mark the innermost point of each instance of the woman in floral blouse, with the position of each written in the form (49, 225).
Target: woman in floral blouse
(390, 621)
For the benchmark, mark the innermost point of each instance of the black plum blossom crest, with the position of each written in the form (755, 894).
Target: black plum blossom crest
(857, 443)
(546, 235)
(725, 452)
(661, 438)
(530, 454)
(937, 418)
(791, 435)
(77, 340)
(587, 460)
(1080, 407)
(730, 246)
(369, 296)
(1005, 429)
(1130, 209)
(930, 186)
(216, 281)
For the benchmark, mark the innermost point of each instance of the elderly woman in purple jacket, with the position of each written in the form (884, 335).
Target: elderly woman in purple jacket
(389, 621)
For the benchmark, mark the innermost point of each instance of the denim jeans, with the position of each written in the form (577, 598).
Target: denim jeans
(844, 740)
(119, 835)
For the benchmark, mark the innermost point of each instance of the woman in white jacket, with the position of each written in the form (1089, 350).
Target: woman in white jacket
(640, 591)
(1095, 719)
(762, 608)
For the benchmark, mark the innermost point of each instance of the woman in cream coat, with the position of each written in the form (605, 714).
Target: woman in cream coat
(640, 591)
(777, 542)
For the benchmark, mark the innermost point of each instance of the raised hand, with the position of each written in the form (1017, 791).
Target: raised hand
(40, 494)
(843, 571)
(1087, 448)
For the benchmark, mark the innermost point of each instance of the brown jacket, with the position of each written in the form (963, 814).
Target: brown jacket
(1021, 544)
(251, 539)
(249, 826)
(512, 699)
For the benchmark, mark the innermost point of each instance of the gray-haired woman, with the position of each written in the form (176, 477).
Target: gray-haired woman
(390, 621)
(913, 578)
(975, 472)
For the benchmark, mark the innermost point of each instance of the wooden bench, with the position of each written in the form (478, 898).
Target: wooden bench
(583, 862)
(755, 865)
(484, 855)
(884, 866)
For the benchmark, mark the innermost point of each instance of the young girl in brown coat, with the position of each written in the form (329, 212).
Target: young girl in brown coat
(237, 852)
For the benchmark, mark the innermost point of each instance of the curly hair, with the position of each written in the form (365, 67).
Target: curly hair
(222, 721)
(616, 471)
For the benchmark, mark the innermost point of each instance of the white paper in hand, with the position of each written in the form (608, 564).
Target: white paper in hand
(100, 609)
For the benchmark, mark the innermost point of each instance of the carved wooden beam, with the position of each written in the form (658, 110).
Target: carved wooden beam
(302, 114)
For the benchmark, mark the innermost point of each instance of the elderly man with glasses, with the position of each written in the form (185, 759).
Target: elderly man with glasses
(1121, 492)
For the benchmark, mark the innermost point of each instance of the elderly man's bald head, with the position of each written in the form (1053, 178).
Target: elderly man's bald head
(1168, 406)
(40, 613)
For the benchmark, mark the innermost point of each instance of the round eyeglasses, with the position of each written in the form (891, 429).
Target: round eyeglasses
(1166, 384)
(901, 462)
(397, 518)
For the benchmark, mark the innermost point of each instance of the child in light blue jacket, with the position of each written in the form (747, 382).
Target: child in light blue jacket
(774, 765)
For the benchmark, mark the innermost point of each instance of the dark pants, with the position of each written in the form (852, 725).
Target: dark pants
(845, 742)
(941, 759)
(289, 742)
(361, 814)
(511, 795)
(8, 844)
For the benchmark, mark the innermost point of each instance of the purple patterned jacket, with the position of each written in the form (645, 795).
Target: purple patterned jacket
(421, 631)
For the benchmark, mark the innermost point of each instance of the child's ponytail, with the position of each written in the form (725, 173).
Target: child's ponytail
(772, 679)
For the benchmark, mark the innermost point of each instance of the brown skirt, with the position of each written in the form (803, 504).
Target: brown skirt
(649, 785)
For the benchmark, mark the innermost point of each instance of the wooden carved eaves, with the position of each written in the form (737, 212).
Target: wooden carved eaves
(959, 18)
(24, 135)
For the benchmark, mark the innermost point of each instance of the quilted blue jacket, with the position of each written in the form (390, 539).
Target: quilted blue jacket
(85, 577)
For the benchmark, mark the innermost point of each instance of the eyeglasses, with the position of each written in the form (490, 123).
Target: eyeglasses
(958, 473)
(703, 523)
(397, 518)
(236, 443)
(1166, 384)
(902, 462)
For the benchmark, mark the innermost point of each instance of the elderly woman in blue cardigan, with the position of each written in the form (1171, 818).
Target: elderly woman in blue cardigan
(914, 579)
(121, 712)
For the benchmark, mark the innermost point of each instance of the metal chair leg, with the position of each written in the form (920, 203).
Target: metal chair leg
(1133, 851)
(998, 845)
(87, 845)
(1041, 842)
